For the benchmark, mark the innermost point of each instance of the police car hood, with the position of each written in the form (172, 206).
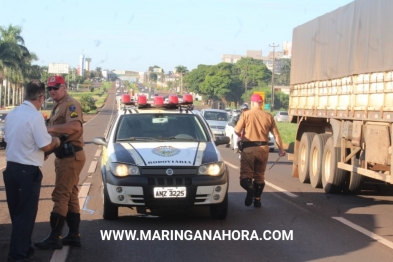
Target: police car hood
(166, 153)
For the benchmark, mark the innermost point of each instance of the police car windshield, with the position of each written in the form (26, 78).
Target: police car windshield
(160, 127)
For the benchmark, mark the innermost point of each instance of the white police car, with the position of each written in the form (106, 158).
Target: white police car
(159, 155)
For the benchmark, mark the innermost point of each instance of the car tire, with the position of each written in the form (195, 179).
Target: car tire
(110, 211)
(220, 211)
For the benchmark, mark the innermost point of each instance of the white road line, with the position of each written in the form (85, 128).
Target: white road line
(281, 189)
(92, 168)
(267, 183)
(364, 231)
(98, 153)
(60, 255)
(84, 191)
(233, 166)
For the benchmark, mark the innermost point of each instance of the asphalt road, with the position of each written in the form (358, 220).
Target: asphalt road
(315, 226)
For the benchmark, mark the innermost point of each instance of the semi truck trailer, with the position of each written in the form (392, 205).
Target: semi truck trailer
(341, 97)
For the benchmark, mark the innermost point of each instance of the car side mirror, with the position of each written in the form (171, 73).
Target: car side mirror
(100, 141)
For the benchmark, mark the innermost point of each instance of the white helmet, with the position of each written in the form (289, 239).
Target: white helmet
(244, 106)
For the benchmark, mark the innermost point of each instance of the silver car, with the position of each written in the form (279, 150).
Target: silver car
(216, 119)
(281, 116)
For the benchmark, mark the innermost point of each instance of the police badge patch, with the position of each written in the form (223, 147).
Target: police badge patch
(74, 114)
(72, 107)
(166, 151)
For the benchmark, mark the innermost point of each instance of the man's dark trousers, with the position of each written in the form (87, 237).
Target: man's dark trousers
(22, 186)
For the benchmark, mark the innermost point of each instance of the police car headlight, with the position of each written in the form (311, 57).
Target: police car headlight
(214, 169)
(120, 169)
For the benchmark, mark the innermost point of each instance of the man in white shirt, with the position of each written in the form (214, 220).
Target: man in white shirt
(27, 141)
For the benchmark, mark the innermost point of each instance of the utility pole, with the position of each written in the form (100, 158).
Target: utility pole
(274, 56)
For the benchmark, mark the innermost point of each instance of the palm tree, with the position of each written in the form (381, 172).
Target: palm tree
(181, 70)
(15, 59)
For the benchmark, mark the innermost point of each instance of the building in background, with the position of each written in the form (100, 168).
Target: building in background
(81, 65)
(87, 64)
(278, 55)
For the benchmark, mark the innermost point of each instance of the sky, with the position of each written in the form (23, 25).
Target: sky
(135, 34)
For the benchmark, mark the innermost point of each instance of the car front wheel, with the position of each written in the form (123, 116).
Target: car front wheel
(110, 211)
(220, 211)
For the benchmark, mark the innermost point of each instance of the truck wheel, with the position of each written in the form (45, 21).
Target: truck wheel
(220, 211)
(316, 153)
(332, 177)
(304, 156)
(110, 211)
(355, 180)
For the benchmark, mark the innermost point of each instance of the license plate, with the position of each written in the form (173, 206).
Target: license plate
(169, 192)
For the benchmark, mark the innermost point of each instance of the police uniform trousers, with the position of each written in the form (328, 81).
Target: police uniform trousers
(253, 163)
(65, 194)
(22, 186)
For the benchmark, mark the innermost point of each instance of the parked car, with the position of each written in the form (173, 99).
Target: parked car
(3, 114)
(281, 116)
(229, 111)
(216, 119)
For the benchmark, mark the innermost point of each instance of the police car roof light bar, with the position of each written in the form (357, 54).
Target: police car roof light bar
(130, 108)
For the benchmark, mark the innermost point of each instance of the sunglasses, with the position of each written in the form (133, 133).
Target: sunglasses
(50, 88)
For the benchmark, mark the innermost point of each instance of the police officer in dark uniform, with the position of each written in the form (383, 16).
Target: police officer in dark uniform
(256, 124)
(66, 118)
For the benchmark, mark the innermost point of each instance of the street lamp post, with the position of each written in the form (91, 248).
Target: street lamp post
(274, 56)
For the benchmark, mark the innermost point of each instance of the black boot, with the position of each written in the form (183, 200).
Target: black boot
(73, 237)
(258, 192)
(247, 185)
(53, 241)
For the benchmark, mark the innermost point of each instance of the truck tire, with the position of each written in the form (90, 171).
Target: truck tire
(316, 153)
(304, 156)
(333, 178)
(355, 180)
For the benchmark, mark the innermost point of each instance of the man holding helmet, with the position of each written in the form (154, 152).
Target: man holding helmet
(66, 119)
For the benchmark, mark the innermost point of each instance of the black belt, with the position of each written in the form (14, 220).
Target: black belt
(77, 148)
(254, 143)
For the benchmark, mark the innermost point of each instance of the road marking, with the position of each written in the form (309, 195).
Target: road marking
(92, 168)
(83, 193)
(98, 152)
(280, 189)
(267, 183)
(233, 166)
(364, 231)
(60, 255)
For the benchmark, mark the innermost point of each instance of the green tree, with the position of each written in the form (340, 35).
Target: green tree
(181, 70)
(218, 81)
(87, 103)
(252, 72)
(98, 71)
(196, 77)
(285, 76)
(15, 62)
